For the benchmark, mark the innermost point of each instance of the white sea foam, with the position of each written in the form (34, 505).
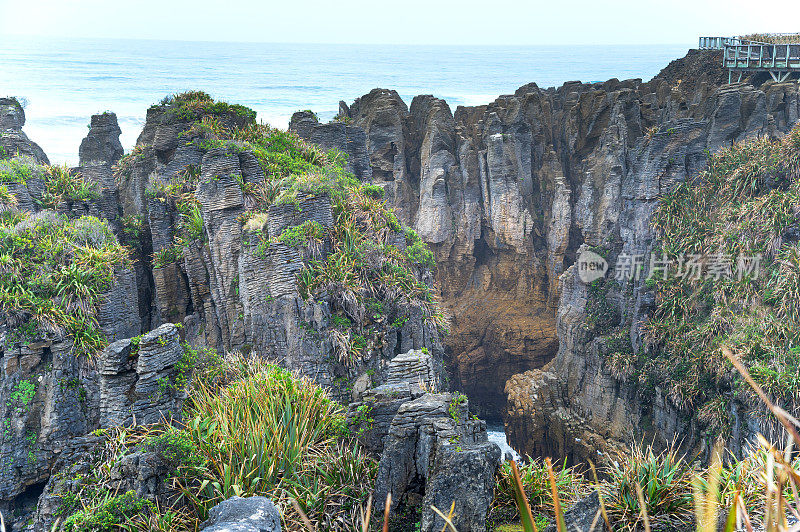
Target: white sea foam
(497, 434)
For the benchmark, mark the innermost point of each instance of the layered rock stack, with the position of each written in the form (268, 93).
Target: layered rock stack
(98, 153)
(13, 141)
(431, 451)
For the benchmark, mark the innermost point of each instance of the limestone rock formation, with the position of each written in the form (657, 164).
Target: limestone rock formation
(98, 153)
(51, 399)
(576, 407)
(341, 136)
(234, 285)
(13, 141)
(137, 378)
(508, 193)
(430, 450)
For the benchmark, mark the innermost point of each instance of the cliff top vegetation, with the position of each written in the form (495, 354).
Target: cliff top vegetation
(745, 205)
(54, 270)
(369, 264)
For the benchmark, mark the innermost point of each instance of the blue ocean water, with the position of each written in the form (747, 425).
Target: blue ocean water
(66, 81)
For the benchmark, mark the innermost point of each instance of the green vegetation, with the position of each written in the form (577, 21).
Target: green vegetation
(744, 205)
(61, 184)
(108, 514)
(123, 167)
(665, 481)
(362, 266)
(302, 235)
(774, 38)
(251, 428)
(54, 271)
(601, 316)
(195, 104)
(570, 484)
(19, 170)
(644, 489)
(454, 406)
(23, 393)
(418, 252)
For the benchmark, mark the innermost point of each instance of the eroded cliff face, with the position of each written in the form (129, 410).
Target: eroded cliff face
(231, 284)
(234, 283)
(506, 194)
(577, 406)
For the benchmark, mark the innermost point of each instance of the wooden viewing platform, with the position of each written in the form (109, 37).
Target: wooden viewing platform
(740, 55)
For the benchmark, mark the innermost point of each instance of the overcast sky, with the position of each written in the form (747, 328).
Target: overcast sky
(515, 22)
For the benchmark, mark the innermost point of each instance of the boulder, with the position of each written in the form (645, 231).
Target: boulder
(243, 514)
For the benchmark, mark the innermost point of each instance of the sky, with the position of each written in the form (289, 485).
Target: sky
(453, 22)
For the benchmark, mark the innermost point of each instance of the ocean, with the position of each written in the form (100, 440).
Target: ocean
(63, 82)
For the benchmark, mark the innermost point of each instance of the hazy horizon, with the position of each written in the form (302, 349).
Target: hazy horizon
(419, 22)
(65, 81)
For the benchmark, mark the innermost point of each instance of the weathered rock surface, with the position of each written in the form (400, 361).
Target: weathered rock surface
(13, 141)
(98, 153)
(507, 193)
(464, 475)
(68, 399)
(575, 407)
(431, 451)
(138, 377)
(243, 514)
(583, 516)
(341, 136)
(228, 289)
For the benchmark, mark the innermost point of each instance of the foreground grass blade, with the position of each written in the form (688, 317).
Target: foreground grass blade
(562, 526)
(643, 504)
(706, 498)
(448, 519)
(365, 516)
(303, 516)
(603, 510)
(386, 510)
(523, 508)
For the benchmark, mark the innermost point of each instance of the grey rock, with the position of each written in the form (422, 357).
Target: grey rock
(414, 367)
(464, 475)
(238, 514)
(583, 516)
(137, 381)
(100, 150)
(348, 139)
(13, 141)
(427, 441)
